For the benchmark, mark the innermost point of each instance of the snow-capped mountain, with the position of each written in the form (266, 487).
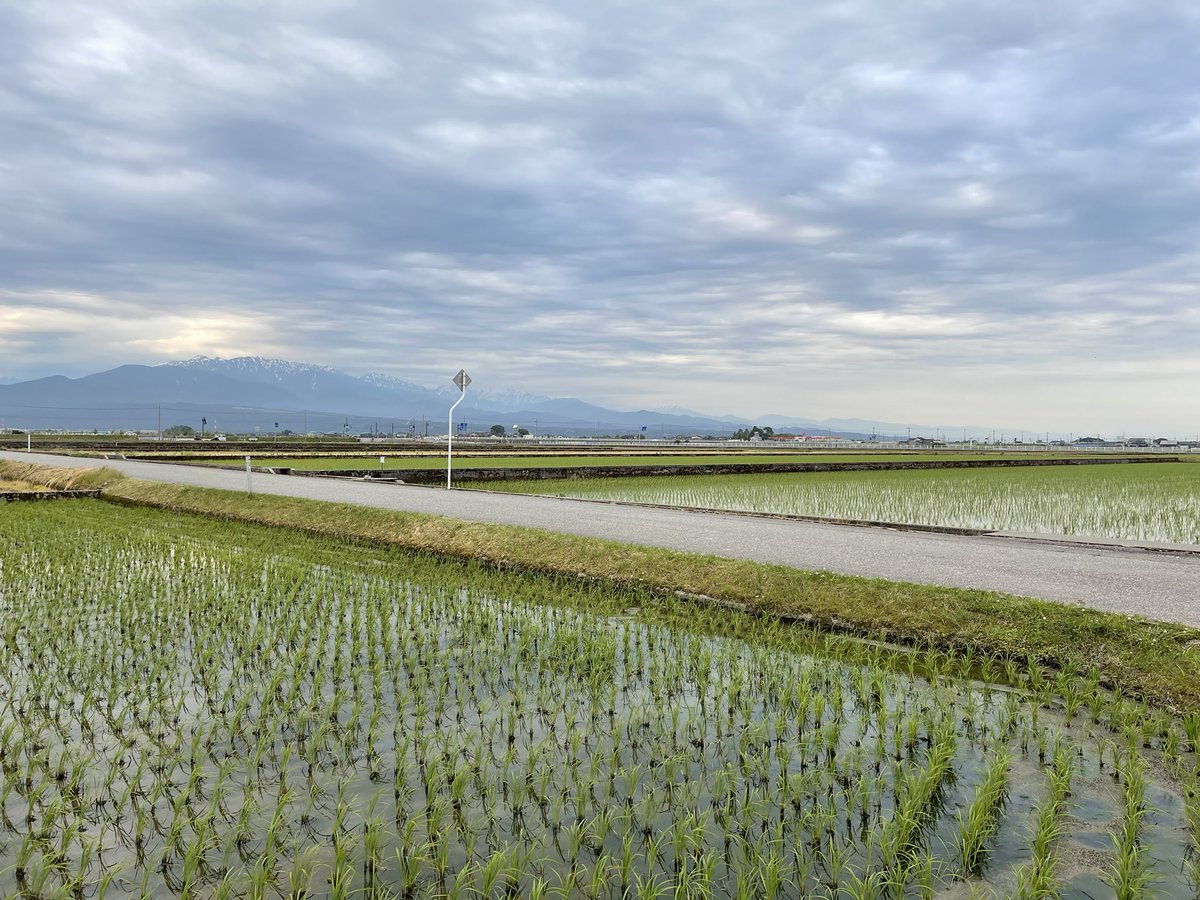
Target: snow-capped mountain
(259, 370)
(389, 382)
(310, 386)
(253, 392)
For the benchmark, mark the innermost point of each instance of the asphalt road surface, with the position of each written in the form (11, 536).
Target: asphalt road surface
(1160, 585)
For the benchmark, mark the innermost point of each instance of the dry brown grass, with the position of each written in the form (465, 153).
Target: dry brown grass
(8, 485)
(58, 478)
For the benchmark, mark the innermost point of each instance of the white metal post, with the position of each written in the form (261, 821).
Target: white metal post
(461, 380)
(450, 436)
(249, 485)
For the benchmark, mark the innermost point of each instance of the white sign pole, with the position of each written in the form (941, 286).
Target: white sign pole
(249, 485)
(461, 380)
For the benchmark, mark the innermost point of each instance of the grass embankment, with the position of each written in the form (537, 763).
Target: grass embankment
(1156, 661)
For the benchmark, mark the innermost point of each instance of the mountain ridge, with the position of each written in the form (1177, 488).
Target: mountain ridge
(254, 392)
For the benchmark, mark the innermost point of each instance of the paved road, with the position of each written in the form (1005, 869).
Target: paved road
(1159, 585)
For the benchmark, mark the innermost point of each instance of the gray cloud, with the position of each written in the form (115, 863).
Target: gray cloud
(934, 212)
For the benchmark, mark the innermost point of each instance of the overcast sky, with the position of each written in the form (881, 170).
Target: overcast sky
(967, 212)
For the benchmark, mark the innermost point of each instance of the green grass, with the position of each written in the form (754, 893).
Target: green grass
(1147, 501)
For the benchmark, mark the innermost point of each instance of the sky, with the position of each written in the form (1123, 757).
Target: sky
(954, 212)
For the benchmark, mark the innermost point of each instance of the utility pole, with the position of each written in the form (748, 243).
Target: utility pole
(160, 421)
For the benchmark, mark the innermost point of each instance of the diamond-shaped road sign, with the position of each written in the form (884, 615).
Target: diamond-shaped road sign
(461, 380)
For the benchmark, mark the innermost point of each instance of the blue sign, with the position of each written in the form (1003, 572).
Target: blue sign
(643, 428)
(462, 426)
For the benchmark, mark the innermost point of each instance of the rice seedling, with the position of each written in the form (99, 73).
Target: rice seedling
(193, 708)
(1037, 879)
(1129, 873)
(983, 815)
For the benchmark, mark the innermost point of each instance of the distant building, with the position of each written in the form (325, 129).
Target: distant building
(805, 438)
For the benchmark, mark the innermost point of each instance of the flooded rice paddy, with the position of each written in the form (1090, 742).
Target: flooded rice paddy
(1145, 502)
(195, 708)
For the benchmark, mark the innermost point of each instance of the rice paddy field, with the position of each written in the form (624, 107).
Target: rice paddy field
(1145, 502)
(546, 460)
(201, 708)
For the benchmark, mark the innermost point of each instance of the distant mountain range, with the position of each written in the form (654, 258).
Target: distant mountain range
(252, 393)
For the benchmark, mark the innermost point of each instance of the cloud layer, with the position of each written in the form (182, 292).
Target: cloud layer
(979, 212)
